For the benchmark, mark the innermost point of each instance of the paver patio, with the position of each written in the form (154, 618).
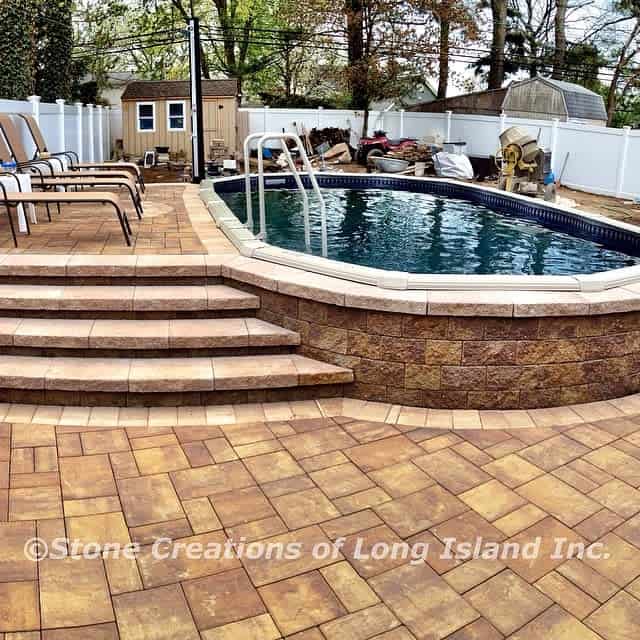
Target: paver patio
(165, 228)
(137, 475)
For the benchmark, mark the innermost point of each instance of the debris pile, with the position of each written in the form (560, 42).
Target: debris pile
(331, 135)
(419, 153)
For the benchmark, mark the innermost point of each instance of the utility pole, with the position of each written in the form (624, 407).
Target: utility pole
(197, 133)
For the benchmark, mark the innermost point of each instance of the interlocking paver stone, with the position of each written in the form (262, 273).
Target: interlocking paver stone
(555, 624)
(304, 508)
(341, 480)
(14, 564)
(492, 500)
(149, 499)
(222, 598)
(507, 601)
(382, 453)
(19, 606)
(242, 506)
(87, 477)
(301, 602)
(155, 614)
(423, 601)
(420, 510)
(559, 499)
(74, 592)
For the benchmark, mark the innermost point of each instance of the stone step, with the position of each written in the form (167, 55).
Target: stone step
(125, 298)
(166, 375)
(192, 333)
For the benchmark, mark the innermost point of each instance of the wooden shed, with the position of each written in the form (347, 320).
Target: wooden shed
(546, 98)
(156, 113)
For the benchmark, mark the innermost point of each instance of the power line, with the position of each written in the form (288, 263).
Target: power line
(284, 38)
(131, 49)
(132, 36)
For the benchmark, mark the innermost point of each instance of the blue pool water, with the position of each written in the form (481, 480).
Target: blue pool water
(426, 233)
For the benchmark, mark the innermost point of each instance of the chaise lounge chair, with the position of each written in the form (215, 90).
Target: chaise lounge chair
(67, 178)
(14, 142)
(15, 198)
(72, 156)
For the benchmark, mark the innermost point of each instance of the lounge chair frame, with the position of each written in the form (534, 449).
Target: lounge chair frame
(72, 156)
(66, 179)
(8, 207)
(98, 197)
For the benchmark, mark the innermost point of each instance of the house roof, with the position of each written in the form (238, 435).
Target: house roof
(420, 94)
(158, 89)
(582, 103)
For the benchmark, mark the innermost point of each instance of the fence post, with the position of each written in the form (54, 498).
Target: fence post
(503, 122)
(266, 118)
(35, 107)
(108, 130)
(92, 145)
(554, 144)
(402, 123)
(100, 134)
(448, 138)
(61, 135)
(622, 162)
(79, 150)
(319, 120)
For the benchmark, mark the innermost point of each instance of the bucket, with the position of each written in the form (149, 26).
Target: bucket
(420, 169)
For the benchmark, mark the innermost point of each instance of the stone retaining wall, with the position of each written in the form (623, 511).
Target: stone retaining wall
(467, 362)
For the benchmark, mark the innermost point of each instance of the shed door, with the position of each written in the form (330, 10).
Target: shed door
(220, 123)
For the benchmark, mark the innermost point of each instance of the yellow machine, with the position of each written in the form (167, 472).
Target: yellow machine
(524, 166)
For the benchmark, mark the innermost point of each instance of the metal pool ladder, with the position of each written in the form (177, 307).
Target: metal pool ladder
(262, 138)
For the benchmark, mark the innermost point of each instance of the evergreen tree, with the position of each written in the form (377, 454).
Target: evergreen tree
(54, 46)
(17, 49)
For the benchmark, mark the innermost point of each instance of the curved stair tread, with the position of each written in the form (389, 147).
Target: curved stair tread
(163, 375)
(126, 298)
(196, 333)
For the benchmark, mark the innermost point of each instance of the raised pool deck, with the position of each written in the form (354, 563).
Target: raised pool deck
(343, 471)
(454, 348)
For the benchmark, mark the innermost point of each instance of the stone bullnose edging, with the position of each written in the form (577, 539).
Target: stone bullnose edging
(321, 288)
(156, 417)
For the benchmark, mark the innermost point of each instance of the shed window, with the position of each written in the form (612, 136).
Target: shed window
(146, 116)
(175, 116)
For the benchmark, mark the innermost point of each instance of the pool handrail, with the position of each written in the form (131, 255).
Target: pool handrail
(262, 138)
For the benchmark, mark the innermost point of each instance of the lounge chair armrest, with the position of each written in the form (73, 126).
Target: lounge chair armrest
(10, 175)
(38, 163)
(71, 156)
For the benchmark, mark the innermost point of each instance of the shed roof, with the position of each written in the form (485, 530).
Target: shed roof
(487, 102)
(158, 89)
(582, 103)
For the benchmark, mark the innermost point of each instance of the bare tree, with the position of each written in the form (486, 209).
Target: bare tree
(628, 53)
(456, 27)
(498, 42)
(560, 51)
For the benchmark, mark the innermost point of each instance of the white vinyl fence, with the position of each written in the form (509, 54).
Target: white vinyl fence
(86, 129)
(590, 158)
(595, 159)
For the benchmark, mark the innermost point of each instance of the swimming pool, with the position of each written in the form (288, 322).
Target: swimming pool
(420, 227)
